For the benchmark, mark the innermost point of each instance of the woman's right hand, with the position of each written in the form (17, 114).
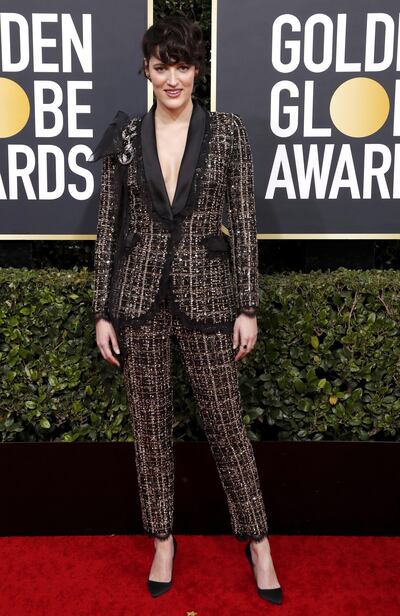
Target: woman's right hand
(105, 333)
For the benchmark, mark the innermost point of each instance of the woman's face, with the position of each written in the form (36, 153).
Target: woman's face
(170, 79)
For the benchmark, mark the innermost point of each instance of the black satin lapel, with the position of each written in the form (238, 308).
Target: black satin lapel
(152, 167)
(190, 157)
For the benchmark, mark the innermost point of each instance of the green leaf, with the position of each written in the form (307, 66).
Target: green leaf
(299, 385)
(314, 342)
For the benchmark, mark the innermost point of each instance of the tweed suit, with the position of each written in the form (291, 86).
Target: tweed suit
(166, 270)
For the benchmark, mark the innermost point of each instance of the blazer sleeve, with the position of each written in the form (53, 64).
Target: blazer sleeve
(109, 213)
(106, 237)
(242, 220)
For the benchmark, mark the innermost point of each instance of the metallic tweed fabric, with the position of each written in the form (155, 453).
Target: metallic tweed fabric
(143, 253)
(212, 371)
(164, 270)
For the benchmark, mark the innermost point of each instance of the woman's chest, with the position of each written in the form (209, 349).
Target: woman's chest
(171, 144)
(210, 168)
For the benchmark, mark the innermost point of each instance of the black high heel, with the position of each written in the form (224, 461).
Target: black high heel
(159, 588)
(273, 595)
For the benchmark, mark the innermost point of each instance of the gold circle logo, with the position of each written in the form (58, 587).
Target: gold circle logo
(359, 107)
(14, 108)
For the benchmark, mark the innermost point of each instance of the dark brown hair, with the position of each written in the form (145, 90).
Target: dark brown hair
(178, 39)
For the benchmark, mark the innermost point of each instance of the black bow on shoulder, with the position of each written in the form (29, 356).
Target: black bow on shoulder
(111, 141)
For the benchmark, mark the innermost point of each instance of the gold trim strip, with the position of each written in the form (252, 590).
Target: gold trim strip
(213, 59)
(150, 21)
(42, 236)
(328, 236)
(260, 236)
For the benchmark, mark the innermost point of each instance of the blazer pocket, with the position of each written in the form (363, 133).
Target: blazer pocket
(130, 239)
(216, 245)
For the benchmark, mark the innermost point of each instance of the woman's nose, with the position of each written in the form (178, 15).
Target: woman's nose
(172, 78)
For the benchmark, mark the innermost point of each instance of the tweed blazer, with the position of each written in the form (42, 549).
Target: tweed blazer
(147, 248)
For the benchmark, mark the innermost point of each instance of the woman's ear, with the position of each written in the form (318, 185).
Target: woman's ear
(146, 68)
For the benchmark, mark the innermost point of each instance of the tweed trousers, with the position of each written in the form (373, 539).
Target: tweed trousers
(209, 361)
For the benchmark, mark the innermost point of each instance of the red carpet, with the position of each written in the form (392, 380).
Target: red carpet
(106, 576)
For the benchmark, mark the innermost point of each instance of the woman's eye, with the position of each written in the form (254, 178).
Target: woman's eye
(161, 68)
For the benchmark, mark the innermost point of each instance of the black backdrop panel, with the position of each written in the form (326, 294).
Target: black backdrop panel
(305, 75)
(66, 68)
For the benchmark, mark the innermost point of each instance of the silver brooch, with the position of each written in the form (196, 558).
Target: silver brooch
(126, 156)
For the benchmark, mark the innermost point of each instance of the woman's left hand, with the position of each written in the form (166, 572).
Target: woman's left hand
(244, 333)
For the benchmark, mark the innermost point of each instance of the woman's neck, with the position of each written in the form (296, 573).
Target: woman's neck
(164, 115)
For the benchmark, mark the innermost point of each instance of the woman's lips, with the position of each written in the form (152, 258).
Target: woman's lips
(173, 93)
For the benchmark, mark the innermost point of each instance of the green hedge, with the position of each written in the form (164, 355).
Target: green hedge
(325, 366)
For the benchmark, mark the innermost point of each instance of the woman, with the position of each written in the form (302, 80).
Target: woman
(163, 269)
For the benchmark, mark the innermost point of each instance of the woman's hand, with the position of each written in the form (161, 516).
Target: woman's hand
(245, 333)
(105, 333)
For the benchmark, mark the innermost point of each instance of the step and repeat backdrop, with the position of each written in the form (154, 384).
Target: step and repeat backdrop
(315, 82)
(66, 68)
